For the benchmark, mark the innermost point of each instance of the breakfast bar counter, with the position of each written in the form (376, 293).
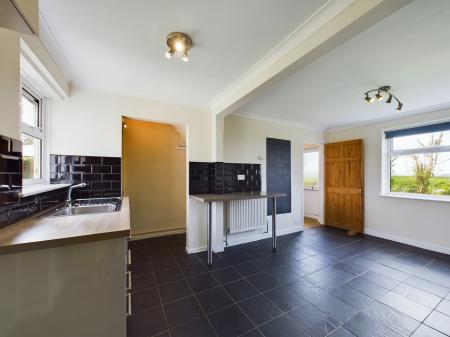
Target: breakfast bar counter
(210, 198)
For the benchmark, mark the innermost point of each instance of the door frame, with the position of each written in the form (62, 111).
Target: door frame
(321, 182)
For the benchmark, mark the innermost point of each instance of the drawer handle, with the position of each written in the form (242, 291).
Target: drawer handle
(129, 257)
(128, 280)
(129, 304)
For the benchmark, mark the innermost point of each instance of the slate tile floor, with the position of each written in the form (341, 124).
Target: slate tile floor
(319, 283)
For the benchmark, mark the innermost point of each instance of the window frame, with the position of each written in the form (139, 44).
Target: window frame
(37, 132)
(312, 187)
(388, 151)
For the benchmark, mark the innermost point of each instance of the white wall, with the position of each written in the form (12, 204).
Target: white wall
(312, 203)
(245, 140)
(418, 222)
(90, 123)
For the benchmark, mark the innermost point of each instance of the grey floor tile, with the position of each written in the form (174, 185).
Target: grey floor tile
(444, 307)
(429, 286)
(285, 298)
(439, 321)
(417, 295)
(413, 309)
(426, 331)
(368, 288)
(313, 320)
(334, 307)
(283, 327)
(213, 299)
(391, 318)
(365, 326)
(260, 309)
(230, 322)
(197, 328)
(352, 296)
(341, 332)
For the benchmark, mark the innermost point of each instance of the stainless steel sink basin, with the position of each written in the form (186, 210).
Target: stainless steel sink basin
(88, 206)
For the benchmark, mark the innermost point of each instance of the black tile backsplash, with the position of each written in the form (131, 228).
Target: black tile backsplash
(219, 177)
(27, 206)
(10, 170)
(101, 174)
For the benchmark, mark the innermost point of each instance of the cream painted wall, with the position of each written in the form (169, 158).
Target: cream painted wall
(30, 11)
(245, 140)
(89, 123)
(154, 177)
(418, 222)
(9, 84)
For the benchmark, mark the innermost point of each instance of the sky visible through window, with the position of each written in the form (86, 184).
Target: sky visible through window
(404, 165)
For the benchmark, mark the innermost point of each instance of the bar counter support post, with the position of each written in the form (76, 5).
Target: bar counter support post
(274, 224)
(209, 234)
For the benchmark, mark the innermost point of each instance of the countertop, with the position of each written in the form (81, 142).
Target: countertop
(235, 196)
(43, 232)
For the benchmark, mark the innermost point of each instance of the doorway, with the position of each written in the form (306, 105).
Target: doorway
(154, 177)
(312, 185)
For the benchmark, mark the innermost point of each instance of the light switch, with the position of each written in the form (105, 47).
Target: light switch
(241, 176)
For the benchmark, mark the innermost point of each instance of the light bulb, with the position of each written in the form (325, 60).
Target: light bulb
(169, 54)
(369, 99)
(179, 45)
(185, 57)
(399, 106)
(379, 97)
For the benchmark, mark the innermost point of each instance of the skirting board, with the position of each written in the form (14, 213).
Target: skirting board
(250, 238)
(411, 242)
(140, 236)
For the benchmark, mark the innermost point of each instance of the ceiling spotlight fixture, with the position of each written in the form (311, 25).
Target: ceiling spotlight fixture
(369, 99)
(384, 89)
(178, 43)
(379, 96)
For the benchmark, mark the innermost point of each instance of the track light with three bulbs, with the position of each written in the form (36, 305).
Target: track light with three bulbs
(381, 93)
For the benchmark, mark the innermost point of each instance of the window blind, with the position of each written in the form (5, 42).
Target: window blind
(418, 130)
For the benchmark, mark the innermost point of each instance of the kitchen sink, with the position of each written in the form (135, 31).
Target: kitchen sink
(88, 206)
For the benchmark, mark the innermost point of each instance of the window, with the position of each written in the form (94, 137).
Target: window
(311, 168)
(418, 161)
(32, 137)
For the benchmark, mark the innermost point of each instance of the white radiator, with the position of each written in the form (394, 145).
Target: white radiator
(246, 215)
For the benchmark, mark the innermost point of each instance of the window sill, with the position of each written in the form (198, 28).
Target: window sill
(416, 197)
(41, 188)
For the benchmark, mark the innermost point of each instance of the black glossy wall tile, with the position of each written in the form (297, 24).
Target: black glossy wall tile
(10, 172)
(101, 174)
(22, 208)
(219, 177)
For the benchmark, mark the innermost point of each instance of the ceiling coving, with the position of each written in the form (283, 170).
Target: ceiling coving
(178, 43)
(382, 93)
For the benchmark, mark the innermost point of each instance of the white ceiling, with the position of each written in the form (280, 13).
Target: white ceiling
(408, 50)
(119, 46)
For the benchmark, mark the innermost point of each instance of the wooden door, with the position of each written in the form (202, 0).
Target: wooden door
(344, 185)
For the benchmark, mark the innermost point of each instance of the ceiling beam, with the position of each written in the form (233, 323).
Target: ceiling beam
(335, 23)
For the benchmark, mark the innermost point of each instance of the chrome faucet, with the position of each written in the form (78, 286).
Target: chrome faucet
(69, 192)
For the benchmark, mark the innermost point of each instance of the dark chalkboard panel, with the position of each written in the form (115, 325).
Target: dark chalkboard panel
(278, 154)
